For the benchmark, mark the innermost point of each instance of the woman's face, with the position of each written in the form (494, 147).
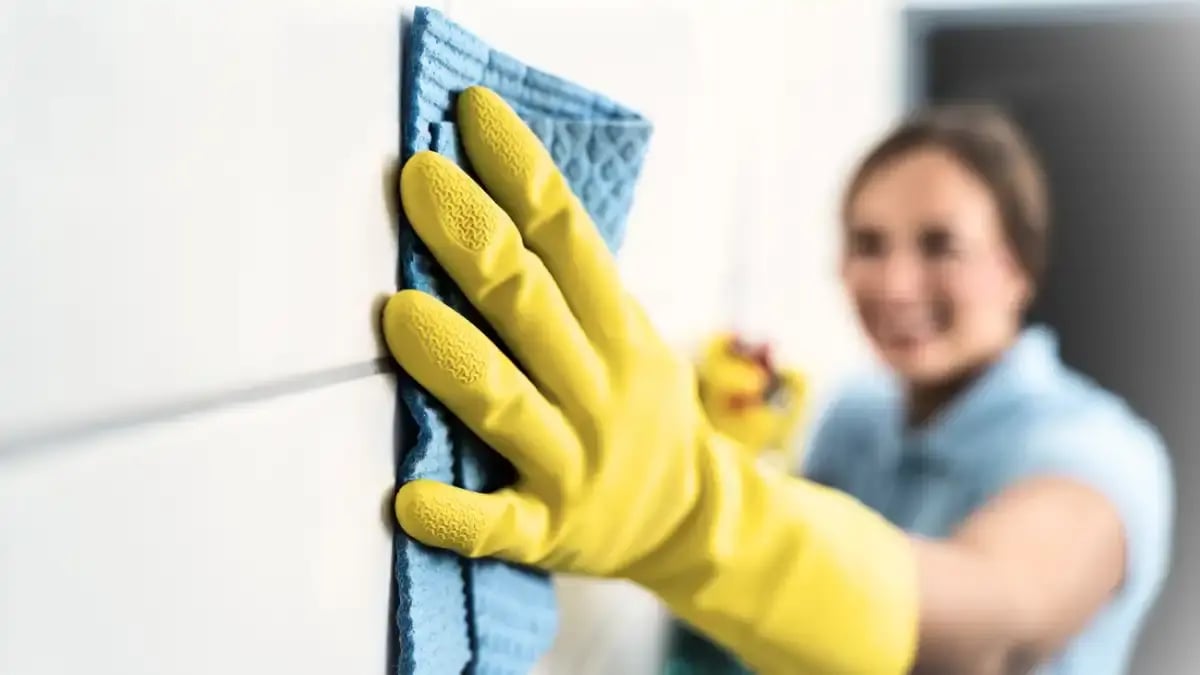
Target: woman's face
(928, 267)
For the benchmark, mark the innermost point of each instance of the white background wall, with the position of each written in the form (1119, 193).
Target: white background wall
(195, 442)
(192, 214)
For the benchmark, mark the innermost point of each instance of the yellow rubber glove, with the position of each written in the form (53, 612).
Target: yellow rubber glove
(750, 400)
(620, 474)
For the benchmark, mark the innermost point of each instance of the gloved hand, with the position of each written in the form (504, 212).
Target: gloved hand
(620, 474)
(748, 398)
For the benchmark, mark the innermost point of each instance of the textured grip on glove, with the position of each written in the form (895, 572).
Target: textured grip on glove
(417, 323)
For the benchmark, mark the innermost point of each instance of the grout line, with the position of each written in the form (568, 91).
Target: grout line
(28, 441)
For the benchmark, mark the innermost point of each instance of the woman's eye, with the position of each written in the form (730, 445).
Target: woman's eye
(866, 243)
(937, 243)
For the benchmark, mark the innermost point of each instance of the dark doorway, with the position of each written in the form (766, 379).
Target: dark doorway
(1111, 98)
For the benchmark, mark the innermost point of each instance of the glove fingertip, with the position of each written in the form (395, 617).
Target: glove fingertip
(441, 516)
(415, 176)
(478, 95)
(503, 149)
(437, 346)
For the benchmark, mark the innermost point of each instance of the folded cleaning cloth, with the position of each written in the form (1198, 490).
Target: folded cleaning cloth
(455, 615)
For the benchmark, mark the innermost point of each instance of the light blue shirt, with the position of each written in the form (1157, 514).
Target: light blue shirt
(1028, 416)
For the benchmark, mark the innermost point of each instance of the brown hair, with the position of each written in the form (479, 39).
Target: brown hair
(990, 145)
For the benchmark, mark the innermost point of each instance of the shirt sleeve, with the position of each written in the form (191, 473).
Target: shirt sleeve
(1121, 458)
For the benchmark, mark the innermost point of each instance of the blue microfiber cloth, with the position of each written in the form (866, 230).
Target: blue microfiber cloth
(455, 615)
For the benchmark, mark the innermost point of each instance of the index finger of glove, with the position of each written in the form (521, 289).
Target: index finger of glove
(521, 176)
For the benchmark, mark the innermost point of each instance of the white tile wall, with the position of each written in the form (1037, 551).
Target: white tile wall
(244, 541)
(194, 218)
(192, 197)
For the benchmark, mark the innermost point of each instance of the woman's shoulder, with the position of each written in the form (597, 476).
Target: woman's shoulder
(1071, 418)
(1076, 429)
(859, 401)
(849, 420)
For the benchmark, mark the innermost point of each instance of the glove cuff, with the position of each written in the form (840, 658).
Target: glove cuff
(789, 575)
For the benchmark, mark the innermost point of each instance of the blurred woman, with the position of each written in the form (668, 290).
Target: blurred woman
(977, 430)
(972, 506)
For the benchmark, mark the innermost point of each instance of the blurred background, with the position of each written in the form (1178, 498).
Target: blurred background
(195, 419)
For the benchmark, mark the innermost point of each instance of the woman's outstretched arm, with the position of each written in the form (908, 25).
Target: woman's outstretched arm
(1019, 579)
